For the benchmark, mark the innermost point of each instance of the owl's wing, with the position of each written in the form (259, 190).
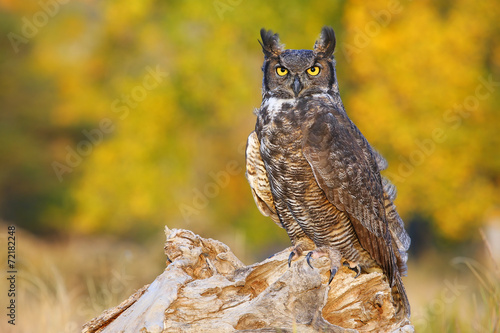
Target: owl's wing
(257, 177)
(400, 238)
(346, 169)
(399, 235)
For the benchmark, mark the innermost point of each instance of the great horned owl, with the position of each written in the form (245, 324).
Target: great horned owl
(314, 173)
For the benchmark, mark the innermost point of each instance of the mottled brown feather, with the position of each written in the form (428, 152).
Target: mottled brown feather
(257, 178)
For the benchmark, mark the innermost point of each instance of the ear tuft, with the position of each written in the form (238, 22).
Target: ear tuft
(325, 45)
(270, 43)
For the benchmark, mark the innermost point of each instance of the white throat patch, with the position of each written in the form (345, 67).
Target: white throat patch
(274, 104)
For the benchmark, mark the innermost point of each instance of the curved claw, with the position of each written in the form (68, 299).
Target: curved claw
(308, 259)
(332, 274)
(290, 258)
(357, 269)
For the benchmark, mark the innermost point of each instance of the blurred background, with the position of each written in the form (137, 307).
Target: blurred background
(120, 117)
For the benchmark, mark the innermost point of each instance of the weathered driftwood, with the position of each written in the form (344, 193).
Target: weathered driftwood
(205, 288)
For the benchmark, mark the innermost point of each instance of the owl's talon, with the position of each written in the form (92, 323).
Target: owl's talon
(356, 268)
(298, 249)
(333, 271)
(308, 259)
(290, 257)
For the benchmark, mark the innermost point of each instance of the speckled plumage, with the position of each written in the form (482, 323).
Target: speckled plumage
(314, 173)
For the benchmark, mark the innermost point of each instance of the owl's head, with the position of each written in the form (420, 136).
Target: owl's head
(297, 73)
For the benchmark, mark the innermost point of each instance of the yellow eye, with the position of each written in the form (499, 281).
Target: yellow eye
(313, 71)
(281, 71)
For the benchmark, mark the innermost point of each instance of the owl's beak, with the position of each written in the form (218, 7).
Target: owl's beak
(296, 86)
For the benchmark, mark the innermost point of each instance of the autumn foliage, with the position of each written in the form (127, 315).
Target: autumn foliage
(121, 117)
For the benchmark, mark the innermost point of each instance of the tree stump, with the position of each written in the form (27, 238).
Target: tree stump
(206, 288)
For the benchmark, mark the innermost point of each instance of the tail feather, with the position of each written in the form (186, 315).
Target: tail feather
(400, 298)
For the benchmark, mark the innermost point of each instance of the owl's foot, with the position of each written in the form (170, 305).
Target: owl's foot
(300, 246)
(356, 268)
(334, 256)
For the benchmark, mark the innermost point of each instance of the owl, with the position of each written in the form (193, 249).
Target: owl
(313, 172)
